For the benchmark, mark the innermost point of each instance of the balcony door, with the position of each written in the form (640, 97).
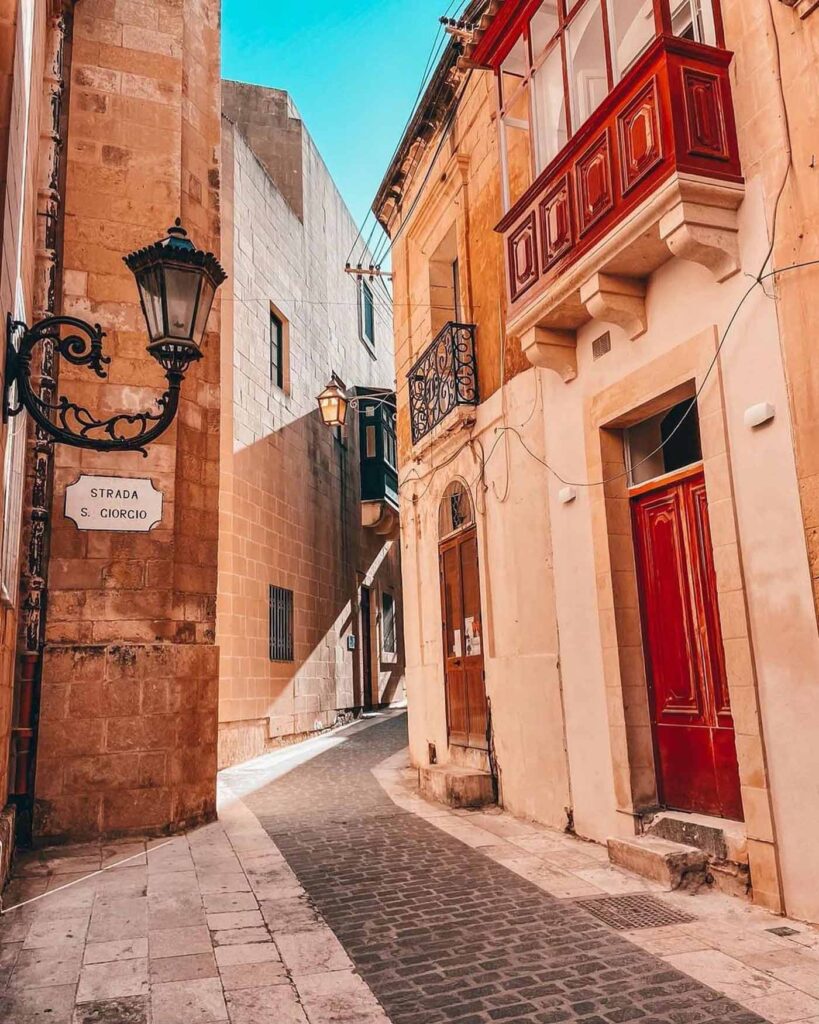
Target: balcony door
(461, 621)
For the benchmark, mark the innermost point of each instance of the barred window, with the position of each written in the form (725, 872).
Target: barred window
(388, 631)
(281, 624)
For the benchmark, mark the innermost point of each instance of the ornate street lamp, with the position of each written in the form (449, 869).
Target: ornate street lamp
(177, 283)
(333, 403)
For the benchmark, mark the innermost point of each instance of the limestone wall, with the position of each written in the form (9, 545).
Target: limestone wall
(128, 716)
(290, 492)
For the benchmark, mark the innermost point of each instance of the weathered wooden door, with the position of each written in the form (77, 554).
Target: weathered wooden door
(693, 727)
(463, 641)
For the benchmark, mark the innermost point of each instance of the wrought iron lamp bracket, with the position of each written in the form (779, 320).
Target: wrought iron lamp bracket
(69, 422)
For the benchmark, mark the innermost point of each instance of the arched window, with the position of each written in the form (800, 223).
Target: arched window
(456, 512)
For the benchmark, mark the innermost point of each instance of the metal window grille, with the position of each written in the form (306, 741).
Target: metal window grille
(281, 624)
(388, 635)
(601, 345)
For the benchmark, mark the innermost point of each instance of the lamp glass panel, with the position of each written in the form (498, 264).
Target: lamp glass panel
(150, 290)
(586, 52)
(203, 311)
(181, 289)
(331, 411)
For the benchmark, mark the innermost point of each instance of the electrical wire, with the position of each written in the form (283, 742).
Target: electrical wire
(421, 87)
(500, 431)
(788, 143)
(386, 244)
(450, 120)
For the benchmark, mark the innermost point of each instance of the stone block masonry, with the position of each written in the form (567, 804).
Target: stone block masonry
(290, 512)
(127, 740)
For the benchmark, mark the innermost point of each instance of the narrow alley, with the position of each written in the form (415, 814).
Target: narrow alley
(329, 891)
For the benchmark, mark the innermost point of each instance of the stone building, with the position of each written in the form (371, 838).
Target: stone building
(308, 611)
(606, 427)
(110, 115)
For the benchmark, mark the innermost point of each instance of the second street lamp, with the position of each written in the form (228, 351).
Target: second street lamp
(333, 403)
(177, 283)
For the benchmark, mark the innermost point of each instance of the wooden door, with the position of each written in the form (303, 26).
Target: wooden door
(691, 711)
(463, 641)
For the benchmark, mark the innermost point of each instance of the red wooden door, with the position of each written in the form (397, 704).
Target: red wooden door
(463, 641)
(693, 727)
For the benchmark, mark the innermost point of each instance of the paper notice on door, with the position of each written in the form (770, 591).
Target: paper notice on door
(472, 630)
(457, 650)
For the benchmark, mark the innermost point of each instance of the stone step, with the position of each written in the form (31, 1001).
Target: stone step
(673, 865)
(456, 786)
(469, 757)
(721, 839)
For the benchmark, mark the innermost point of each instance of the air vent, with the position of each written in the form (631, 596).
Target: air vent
(627, 913)
(601, 345)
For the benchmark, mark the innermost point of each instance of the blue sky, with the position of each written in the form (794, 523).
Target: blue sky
(353, 70)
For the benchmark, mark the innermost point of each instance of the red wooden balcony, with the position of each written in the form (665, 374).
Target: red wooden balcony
(652, 173)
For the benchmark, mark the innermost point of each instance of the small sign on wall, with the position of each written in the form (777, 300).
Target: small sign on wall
(116, 503)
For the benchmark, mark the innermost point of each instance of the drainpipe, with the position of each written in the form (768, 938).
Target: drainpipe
(40, 454)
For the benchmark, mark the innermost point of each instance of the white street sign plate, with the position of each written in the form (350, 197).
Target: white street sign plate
(115, 503)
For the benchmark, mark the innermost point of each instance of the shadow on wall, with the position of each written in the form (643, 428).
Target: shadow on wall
(290, 517)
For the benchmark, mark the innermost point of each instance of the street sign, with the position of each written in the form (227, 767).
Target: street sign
(116, 503)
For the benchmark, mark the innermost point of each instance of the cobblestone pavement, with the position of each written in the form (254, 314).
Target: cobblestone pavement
(442, 933)
(445, 916)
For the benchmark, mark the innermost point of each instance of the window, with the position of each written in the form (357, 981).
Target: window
(388, 631)
(586, 60)
(444, 282)
(276, 350)
(693, 19)
(366, 313)
(664, 443)
(568, 59)
(281, 624)
(632, 29)
(455, 512)
(390, 442)
(279, 350)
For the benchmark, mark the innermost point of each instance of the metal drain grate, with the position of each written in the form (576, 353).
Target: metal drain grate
(625, 913)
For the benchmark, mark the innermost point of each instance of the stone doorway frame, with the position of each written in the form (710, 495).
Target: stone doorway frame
(668, 379)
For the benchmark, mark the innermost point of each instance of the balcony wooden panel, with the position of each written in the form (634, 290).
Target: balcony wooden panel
(671, 115)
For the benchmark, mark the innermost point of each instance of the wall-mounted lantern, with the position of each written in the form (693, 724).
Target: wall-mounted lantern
(334, 401)
(177, 283)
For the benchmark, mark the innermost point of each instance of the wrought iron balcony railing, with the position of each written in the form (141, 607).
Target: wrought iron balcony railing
(444, 376)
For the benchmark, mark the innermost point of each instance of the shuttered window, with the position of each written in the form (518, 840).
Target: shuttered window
(281, 624)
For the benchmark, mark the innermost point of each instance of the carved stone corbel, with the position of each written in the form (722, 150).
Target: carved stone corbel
(552, 350)
(703, 234)
(617, 300)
